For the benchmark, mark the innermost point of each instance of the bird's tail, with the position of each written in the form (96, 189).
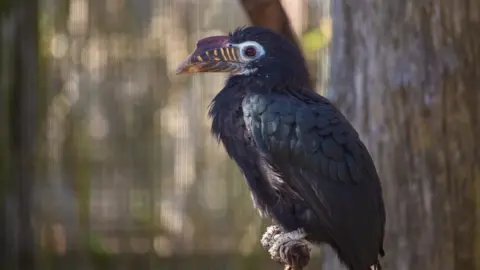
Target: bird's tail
(376, 266)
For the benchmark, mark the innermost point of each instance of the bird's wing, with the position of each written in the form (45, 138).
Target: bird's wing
(317, 151)
(315, 135)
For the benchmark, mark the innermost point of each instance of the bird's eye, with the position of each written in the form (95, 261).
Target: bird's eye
(250, 51)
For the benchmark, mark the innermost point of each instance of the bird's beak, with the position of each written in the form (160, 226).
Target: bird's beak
(213, 54)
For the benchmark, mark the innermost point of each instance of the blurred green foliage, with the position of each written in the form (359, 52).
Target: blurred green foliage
(317, 39)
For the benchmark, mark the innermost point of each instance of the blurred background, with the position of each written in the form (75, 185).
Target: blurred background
(107, 161)
(126, 172)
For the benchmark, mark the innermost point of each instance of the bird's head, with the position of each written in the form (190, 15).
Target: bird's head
(251, 52)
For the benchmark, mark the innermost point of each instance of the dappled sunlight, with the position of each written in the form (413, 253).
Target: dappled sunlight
(162, 246)
(173, 220)
(98, 126)
(78, 17)
(94, 57)
(59, 45)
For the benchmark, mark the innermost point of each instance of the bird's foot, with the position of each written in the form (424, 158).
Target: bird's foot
(268, 237)
(283, 239)
(289, 249)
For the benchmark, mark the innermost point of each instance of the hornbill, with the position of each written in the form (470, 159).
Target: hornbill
(304, 163)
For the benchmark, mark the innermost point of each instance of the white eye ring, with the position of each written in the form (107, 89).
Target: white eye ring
(250, 47)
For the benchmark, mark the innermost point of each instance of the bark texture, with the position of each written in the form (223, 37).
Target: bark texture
(407, 74)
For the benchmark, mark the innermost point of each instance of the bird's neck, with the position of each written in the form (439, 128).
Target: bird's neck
(226, 108)
(226, 111)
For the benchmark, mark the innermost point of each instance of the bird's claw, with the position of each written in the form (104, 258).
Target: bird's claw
(269, 236)
(283, 238)
(287, 248)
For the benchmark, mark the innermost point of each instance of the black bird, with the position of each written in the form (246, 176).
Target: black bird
(303, 161)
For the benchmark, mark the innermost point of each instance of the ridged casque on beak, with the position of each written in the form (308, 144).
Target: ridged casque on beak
(213, 54)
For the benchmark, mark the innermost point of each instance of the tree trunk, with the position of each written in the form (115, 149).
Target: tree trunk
(270, 14)
(19, 47)
(407, 73)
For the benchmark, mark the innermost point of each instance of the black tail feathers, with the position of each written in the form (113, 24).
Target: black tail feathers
(382, 252)
(376, 266)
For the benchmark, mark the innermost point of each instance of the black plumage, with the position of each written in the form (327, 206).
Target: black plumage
(302, 160)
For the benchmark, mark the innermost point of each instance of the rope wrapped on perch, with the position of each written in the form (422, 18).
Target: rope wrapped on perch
(294, 254)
